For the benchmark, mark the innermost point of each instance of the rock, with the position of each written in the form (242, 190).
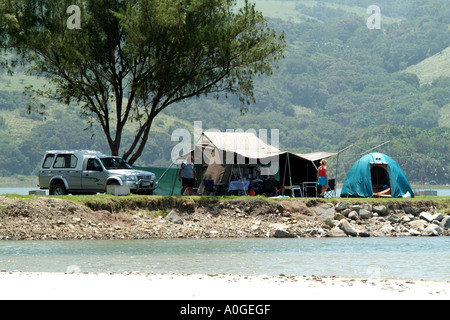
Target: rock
(365, 214)
(341, 206)
(331, 223)
(387, 229)
(325, 211)
(414, 233)
(345, 226)
(364, 234)
(381, 210)
(345, 212)
(445, 224)
(174, 218)
(283, 234)
(412, 210)
(394, 218)
(432, 230)
(417, 224)
(438, 216)
(336, 233)
(426, 216)
(405, 219)
(356, 207)
(315, 232)
(353, 215)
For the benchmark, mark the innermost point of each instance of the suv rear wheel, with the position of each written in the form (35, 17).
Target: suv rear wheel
(58, 189)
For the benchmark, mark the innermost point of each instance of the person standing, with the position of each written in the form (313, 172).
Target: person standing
(188, 177)
(322, 177)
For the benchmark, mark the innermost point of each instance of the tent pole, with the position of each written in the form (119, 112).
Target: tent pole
(166, 170)
(242, 179)
(376, 147)
(284, 173)
(337, 159)
(290, 173)
(173, 183)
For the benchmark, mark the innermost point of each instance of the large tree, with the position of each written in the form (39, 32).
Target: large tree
(128, 60)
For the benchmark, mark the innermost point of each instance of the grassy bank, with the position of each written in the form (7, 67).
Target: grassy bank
(164, 203)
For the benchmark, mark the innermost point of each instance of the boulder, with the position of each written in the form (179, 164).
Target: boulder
(445, 224)
(412, 210)
(381, 210)
(345, 226)
(364, 234)
(386, 230)
(365, 214)
(317, 232)
(417, 224)
(331, 223)
(353, 215)
(279, 233)
(432, 230)
(438, 216)
(341, 206)
(174, 218)
(406, 219)
(325, 211)
(426, 216)
(394, 218)
(336, 233)
(345, 212)
(414, 233)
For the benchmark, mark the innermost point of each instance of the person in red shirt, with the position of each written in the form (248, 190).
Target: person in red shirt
(322, 177)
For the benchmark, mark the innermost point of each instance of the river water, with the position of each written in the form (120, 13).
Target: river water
(388, 258)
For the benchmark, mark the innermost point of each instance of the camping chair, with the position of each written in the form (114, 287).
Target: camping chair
(209, 186)
(331, 191)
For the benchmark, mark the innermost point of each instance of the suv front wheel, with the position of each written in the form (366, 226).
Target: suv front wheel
(58, 189)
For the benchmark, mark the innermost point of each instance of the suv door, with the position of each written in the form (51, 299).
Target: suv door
(66, 166)
(94, 177)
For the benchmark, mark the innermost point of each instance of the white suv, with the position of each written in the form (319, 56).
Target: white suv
(89, 172)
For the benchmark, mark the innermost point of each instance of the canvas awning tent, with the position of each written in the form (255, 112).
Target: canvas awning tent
(220, 152)
(242, 144)
(376, 174)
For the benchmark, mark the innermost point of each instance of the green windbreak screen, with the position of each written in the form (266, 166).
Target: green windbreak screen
(168, 184)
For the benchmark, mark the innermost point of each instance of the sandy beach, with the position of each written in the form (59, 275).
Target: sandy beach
(137, 286)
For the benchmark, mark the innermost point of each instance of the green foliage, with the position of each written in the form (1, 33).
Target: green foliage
(152, 53)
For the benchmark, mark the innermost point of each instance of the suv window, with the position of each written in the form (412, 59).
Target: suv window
(48, 161)
(94, 165)
(115, 163)
(66, 161)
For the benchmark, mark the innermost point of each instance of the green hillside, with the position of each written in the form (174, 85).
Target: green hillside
(340, 84)
(432, 68)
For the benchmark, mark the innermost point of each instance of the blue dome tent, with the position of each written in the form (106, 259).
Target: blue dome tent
(376, 174)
